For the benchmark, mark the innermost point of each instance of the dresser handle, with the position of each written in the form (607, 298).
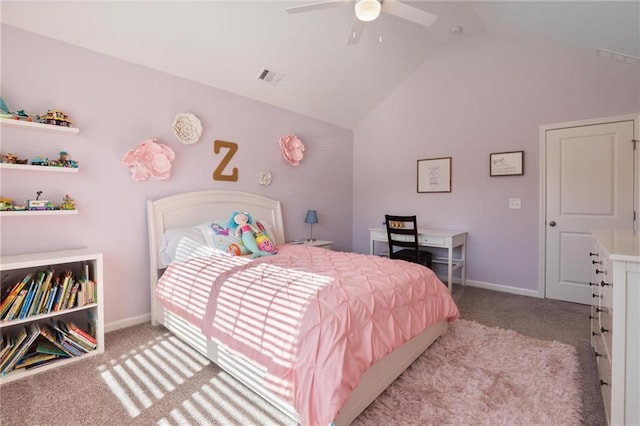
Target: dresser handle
(604, 330)
(597, 355)
(598, 271)
(593, 254)
(599, 309)
(590, 283)
(596, 262)
(593, 333)
(591, 317)
(603, 383)
(596, 295)
(603, 284)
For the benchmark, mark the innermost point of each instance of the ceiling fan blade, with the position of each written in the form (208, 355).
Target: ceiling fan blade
(410, 13)
(356, 31)
(318, 6)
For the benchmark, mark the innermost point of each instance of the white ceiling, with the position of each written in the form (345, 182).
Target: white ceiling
(225, 44)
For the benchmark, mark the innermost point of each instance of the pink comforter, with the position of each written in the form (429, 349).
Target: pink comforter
(314, 319)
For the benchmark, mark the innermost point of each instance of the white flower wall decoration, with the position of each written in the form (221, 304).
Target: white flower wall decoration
(187, 128)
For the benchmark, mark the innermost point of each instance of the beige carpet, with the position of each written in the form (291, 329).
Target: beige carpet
(473, 375)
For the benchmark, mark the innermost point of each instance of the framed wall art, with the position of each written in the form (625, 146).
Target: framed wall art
(506, 163)
(434, 175)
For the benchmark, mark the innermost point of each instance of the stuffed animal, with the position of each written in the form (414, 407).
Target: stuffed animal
(245, 230)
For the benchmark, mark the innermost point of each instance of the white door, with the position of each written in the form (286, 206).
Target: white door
(589, 185)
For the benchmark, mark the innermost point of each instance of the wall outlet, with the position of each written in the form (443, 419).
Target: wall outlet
(514, 203)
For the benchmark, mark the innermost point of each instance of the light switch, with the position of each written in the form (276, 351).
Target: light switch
(514, 203)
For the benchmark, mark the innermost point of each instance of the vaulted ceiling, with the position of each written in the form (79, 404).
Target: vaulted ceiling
(227, 44)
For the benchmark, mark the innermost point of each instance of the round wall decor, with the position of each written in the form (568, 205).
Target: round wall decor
(187, 128)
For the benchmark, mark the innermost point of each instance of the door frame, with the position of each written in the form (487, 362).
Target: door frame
(542, 225)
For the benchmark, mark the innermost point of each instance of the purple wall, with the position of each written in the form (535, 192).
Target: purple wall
(117, 105)
(480, 96)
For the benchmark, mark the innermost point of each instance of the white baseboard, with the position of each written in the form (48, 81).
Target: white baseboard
(496, 287)
(504, 288)
(127, 322)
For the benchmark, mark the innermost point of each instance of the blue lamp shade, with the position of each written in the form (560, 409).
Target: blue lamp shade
(312, 217)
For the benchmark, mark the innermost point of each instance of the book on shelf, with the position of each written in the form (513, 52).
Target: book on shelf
(52, 296)
(74, 295)
(17, 341)
(46, 347)
(34, 359)
(87, 292)
(28, 299)
(16, 305)
(7, 301)
(81, 335)
(7, 345)
(73, 340)
(31, 333)
(52, 336)
(63, 294)
(45, 282)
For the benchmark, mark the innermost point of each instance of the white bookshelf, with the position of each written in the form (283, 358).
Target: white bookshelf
(14, 268)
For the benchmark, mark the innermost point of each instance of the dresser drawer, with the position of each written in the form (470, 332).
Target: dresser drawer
(433, 240)
(605, 328)
(604, 374)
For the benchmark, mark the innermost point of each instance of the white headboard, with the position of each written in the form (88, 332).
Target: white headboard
(196, 208)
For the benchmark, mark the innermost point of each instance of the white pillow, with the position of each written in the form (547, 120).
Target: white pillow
(181, 244)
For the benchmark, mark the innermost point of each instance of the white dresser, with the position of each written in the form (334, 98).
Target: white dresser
(615, 322)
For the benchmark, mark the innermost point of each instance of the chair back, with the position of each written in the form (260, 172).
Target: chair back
(402, 234)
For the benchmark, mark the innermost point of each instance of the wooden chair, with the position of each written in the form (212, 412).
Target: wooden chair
(402, 234)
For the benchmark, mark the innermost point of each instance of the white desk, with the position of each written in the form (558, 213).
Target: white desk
(435, 238)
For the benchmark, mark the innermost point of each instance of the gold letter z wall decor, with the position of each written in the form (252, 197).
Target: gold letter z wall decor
(218, 172)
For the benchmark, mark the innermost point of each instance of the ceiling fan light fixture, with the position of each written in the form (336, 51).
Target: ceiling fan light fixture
(367, 10)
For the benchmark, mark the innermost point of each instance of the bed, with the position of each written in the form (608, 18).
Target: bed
(196, 308)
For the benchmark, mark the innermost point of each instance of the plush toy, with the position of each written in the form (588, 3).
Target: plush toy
(245, 230)
(265, 244)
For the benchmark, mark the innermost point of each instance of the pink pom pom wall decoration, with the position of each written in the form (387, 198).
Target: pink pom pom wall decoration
(149, 159)
(292, 148)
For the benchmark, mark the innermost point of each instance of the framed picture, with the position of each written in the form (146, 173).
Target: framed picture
(506, 163)
(434, 175)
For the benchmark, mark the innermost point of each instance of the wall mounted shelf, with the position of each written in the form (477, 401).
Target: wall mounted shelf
(8, 122)
(32, 168)
(37, 213)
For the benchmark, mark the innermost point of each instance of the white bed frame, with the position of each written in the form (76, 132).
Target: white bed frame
(195, 208)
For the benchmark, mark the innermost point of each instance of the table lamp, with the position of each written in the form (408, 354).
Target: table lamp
(312, 217)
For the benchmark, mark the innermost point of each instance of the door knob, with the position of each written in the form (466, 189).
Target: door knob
(552, 223)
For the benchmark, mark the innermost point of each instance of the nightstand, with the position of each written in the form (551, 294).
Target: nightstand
(318, 243)
(314, 243)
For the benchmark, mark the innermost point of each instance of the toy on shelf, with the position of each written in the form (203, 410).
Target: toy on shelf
(40, 161)
(39, 204)
(64, 160)
(5, 112)
(6, 204)
(10, 158)
(56, 118)
(21, 115)
(67, 203)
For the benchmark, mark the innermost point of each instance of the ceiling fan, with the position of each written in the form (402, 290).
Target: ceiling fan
(369, 10)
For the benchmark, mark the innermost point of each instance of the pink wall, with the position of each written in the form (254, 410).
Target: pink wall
(116, 105)
(480, 96)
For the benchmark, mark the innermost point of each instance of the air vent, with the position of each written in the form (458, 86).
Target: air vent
(269, 76)
(622, 57)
